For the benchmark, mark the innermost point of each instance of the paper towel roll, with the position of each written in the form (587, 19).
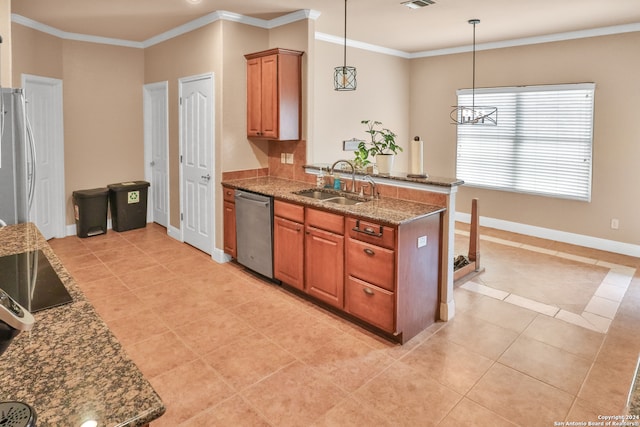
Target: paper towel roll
(416, 153)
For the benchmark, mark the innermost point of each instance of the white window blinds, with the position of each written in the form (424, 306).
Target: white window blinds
(541, 145)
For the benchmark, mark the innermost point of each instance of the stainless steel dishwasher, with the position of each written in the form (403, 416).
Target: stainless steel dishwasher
(254, 232)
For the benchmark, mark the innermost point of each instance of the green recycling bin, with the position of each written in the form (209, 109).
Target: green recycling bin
(128, 205)
(90, 211)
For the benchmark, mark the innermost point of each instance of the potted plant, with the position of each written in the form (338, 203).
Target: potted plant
(361, 160)
(382, 146)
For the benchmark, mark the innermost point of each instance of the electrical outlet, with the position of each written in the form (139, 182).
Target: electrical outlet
(422, 241)
(289, 158)
(615, 223)
(283, 157)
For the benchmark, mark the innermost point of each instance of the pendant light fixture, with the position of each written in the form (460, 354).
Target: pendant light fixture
(474, 115)
(344, 77)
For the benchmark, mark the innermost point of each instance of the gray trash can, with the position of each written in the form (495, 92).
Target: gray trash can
(90, 211)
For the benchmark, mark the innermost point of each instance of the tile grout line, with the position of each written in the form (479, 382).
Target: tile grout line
(565, 315)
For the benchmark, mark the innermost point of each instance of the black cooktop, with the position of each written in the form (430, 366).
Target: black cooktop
(30, 280)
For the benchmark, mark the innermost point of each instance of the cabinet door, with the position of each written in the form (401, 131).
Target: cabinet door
(324, 266)
(229, 223)
(288, 252)
(254, 101)
(269, 97)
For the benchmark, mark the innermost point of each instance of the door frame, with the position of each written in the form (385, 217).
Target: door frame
(148, 145)
(58, 211)
(181, 81)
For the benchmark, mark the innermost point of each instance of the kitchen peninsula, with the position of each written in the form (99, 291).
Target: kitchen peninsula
(377, 261)
(69, 367)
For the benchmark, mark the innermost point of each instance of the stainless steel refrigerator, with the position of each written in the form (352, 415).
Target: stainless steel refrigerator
(17, 159)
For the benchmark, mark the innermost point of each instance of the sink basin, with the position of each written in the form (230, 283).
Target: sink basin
(316, 194)
(343, 201)
(329, 196)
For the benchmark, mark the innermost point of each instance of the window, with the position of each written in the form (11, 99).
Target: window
(541, 145)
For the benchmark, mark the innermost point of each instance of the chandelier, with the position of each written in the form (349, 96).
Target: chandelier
(474, 114)
(344, 77)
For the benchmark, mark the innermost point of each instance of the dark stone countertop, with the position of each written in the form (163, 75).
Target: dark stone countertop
(385, 210)
(400, 177)
(69, 367)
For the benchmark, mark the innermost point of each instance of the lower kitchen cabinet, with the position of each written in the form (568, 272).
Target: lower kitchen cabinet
(370, 303)
(288, 245)
(229, 222)
(383, 276)
(324, 256)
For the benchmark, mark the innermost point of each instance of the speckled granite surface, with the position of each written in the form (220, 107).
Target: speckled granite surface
(386, 210)
(427, 180)
(69, 367)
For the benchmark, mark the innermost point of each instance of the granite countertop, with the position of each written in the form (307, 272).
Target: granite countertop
(427, 180)
(385, 210)
(69, 367)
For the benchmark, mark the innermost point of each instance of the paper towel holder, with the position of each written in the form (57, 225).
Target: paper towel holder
(421, 174)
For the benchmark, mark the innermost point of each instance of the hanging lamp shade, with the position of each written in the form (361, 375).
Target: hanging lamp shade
(344, 77)
(474, 114)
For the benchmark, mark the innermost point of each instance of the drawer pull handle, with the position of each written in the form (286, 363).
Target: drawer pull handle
(369, 252)
(369, 231)
(368, 291)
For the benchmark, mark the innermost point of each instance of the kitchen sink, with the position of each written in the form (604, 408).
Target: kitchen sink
(330, 196)
(317, 194)
(343, 201)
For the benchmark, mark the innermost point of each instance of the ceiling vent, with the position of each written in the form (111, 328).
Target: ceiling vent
(417, 4)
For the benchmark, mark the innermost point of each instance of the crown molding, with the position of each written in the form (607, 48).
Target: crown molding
(27, 22)
(314, 15)
(220, 15)
(361, 45)
(595, 32)
(549, 38)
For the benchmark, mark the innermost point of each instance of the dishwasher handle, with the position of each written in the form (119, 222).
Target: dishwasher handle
(253, 198)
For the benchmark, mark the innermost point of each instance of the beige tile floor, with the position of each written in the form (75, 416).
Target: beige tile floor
(223, 348)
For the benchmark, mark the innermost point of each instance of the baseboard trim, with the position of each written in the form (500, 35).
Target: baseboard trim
(174, 232)
(557, 235)
(219, 256)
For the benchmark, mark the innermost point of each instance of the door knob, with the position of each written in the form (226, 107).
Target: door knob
(152, 164)
(207, 177)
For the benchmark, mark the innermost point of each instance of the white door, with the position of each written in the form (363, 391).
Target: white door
(156, 147)
(197, 154)
(44, 111)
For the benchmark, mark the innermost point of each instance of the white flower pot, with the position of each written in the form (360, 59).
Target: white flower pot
(384, 162)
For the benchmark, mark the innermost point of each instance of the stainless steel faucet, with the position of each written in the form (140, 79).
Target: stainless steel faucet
(374, 190)
(353, 172)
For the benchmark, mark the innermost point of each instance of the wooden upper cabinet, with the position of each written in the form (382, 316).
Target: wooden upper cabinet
(274, 94)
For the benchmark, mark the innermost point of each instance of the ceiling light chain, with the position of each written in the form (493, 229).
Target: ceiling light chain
(474, 115)
(344, 77)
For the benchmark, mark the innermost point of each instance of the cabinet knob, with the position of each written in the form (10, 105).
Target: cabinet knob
(369, 252)
(368, 291)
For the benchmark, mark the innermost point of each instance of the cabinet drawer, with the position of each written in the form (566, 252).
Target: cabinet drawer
(325, 221)
(371, 232)
(371, 263)
(289, 211)
(229, 194)
(370, 303)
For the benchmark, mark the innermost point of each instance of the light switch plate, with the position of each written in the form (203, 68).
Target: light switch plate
(422, 241)
(283, 157)
(350, 144)
(289, 158)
